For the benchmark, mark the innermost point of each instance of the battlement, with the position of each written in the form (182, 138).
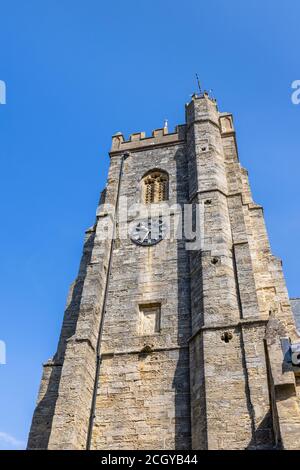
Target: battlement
(201, 96)
(139, 140)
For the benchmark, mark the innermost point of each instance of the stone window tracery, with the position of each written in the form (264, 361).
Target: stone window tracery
(155, 187)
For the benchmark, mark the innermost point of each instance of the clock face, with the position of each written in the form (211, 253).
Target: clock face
(148, 232)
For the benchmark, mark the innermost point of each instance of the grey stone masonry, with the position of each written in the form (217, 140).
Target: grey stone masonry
(164, 346)
(295, 303)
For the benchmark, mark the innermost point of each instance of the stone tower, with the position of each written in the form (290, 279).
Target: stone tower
(167, 344)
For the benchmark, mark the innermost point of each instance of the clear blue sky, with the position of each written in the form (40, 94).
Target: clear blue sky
(77, 72)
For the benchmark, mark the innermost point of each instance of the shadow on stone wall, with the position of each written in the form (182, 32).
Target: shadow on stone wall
(263, 435)
(43, 415)
(181, 381)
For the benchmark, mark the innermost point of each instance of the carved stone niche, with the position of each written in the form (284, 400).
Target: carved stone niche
(149, 319)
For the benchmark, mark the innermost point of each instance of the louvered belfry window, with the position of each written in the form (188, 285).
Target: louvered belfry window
(155, 187)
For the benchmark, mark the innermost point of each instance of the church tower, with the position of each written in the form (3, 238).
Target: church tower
(173, 338)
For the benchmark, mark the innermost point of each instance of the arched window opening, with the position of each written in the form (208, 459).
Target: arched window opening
(155, 187)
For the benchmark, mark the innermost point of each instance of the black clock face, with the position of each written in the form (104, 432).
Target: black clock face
(148, 232)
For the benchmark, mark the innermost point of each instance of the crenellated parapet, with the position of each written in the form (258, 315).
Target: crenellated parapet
(139, 141)
(201, 108)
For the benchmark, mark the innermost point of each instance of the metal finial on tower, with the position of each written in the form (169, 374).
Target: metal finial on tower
(198, 82)
(166, 125)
